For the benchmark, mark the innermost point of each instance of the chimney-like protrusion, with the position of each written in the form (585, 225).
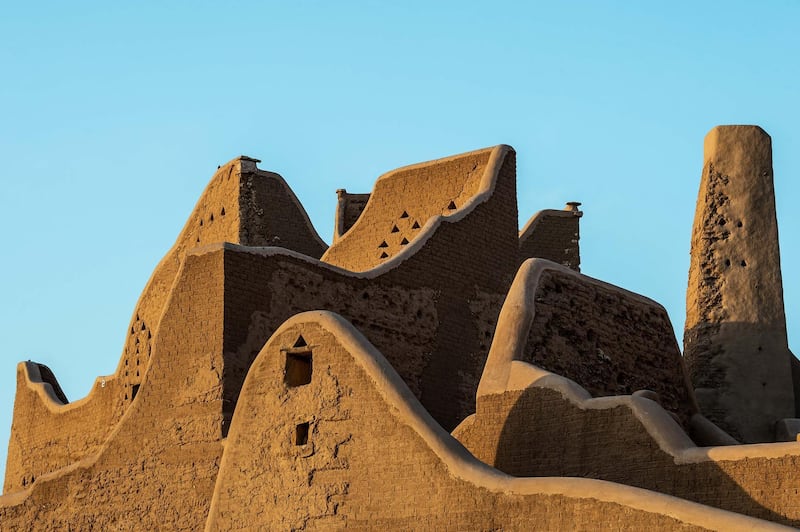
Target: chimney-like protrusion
(735, 344)
(348, 208)
(553, 235)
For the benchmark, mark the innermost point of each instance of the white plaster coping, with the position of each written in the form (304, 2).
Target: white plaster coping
(462, 465)
(485, 190)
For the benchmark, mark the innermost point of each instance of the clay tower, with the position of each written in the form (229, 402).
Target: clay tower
(735, 341)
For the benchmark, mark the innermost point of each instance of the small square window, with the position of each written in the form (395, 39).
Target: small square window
(298, 369)
(301, 434)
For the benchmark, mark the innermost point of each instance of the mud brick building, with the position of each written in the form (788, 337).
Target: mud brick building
(433, 368)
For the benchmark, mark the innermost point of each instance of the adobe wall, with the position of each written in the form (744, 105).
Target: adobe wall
(472, 259)
(240, 204)
(735, 337)
(543, 431)
(608, 340)
(47, 435)
(432, 308)
(553, 235)
(262, 290)
(157, 469)
(274, 215)
(348, 209)
(349, 446)
(402, 202)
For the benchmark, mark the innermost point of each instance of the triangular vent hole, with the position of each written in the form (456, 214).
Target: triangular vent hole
(384, 255)
(452, 206)
(404, 242)
(395, 229)
(301, 342)
(384, 244)
(415, 226)
(404, 215)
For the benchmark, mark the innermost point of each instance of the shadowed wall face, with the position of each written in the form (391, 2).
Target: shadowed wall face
(348, 209)
(553, 235)
(347, 450)
(538, 432)
(735, 338)
(607, 341)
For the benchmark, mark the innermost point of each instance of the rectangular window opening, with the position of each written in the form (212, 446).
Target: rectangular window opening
(301, 434)
(298, 369)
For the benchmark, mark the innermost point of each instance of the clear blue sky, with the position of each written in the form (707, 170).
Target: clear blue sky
(113, 118)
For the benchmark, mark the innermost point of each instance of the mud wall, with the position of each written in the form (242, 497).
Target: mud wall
(263, 291)
(273, 216)
(348, 209)
(336, 452)
(47, 435)
(157, 468)
(606, 340)
(432, 314)
(553, 235)
(401, 204)
(241, 203)
(538, 432)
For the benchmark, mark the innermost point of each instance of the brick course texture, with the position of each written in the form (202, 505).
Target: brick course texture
(270, 382)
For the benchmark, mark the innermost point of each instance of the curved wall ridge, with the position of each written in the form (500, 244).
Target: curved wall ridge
(319, 448)
(156, 467)
(607, 339)
(530, 422)
(545, 425)
(261, 386)
(241, 204)
(553, 235)
(404, 200)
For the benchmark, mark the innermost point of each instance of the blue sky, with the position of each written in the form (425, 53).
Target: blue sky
(114, 117)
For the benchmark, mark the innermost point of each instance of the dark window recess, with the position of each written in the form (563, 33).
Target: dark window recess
(134, 391)
(301, 434)
(298, 369)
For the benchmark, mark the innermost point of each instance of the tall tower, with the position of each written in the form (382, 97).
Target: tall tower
(735, 342)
